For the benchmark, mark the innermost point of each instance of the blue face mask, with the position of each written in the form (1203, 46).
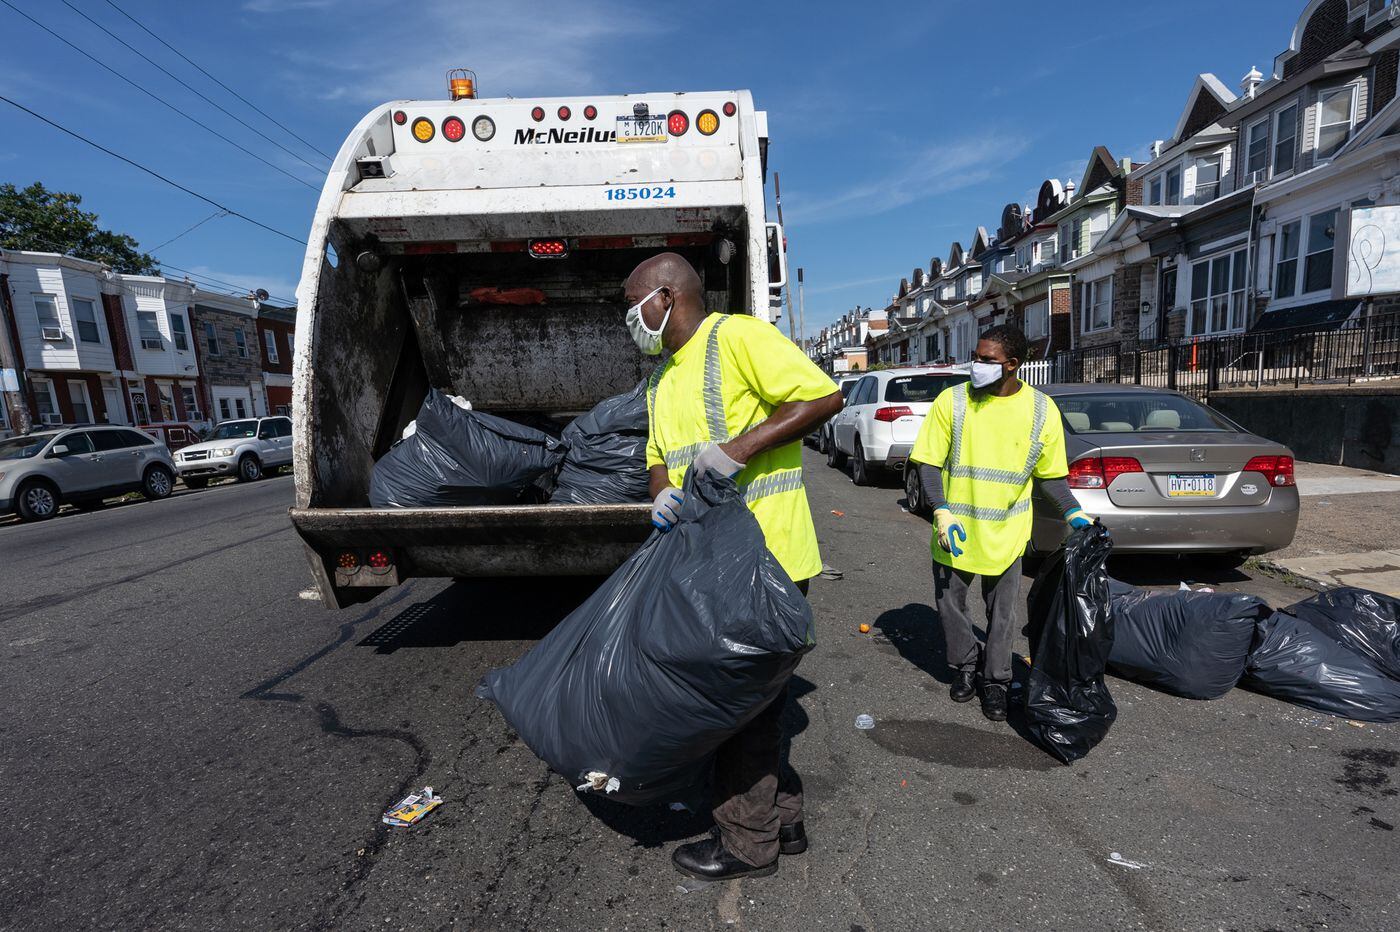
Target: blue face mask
(647, 340)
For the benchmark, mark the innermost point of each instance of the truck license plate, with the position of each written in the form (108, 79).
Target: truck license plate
(1191, 486)
(644, 129)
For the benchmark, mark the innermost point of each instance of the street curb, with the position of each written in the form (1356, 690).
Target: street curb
(1314, 583)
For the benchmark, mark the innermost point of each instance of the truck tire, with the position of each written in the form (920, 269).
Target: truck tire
(157, 483)
(249, 469)
(36, 500)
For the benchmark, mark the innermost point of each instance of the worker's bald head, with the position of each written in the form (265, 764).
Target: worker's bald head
(667, 270)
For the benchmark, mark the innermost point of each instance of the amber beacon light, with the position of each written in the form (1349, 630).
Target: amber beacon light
(461, 84)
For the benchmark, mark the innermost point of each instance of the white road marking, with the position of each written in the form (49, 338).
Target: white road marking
(310, 595)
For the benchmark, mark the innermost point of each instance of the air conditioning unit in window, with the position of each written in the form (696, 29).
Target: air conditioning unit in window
(51, 333)
(151, 344)
(51, 418)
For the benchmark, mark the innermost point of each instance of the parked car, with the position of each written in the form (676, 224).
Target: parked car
(245, 449)
(821, 437)
(1166, 475)
(882, 416)
(81, 466)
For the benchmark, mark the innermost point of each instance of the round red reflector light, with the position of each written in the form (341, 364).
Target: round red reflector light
(537, 114)
(565, 113)
(677, 123)
(400, 117)
(590, 112)
(729, 108)
(379, 559)
(453, 129)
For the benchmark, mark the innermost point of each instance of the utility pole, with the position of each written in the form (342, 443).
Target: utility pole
(787, 290)
(801, 312)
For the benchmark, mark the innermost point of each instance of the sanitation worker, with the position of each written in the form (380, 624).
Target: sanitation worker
(982, 447)
(735, 398)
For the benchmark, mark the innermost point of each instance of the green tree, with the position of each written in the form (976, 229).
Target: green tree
(41, 220)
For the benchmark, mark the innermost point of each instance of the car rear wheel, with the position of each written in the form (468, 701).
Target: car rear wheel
(860, 470)
(195, 483)
(822, 441)
(249, 469)
(834, 457)
(914, 490)
(36, 501)
(158, 483)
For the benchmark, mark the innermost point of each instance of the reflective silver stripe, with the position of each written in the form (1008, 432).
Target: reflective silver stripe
(959, 414)
(653, 383)
(785, 480)
(989, 514)
(682, 457)
(714, 386)
(989, 474)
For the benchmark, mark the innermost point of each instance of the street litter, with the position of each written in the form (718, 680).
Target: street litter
(839, 514)
(412, 808)
(864, 628)
(605, 453)
(672, 655)
(1068, 707)
(865, 722)
(457, 456)
(831, 572)
(1116, 858)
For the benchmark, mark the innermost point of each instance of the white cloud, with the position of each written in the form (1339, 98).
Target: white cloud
(856, 283)
(286, 6)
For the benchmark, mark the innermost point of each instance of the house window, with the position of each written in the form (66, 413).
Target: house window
(1257, 153)
(1207, 179)
(242, 342)
(1065, 255)
(1336, 110)
(1317, 267)
(1286, 267)
(1285, 139)
(270, 340)
(45, 400)
(291, 347)
(1173, 192)
(178, 332)
(1098, 226)
(191, 404)
(211, 338)
(1098, 305)
(1218, 293)
(224, 413)
(85, 319)
(284, 411)
(930, 353)
(240, 408)
(78, 397)
(1037, 320)
(1155, 189)
(46, 309)
(149, 330)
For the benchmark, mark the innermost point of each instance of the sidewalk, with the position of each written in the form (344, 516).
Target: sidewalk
(1348, 531)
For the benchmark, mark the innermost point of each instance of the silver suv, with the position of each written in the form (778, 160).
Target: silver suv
(245, 449)
(80, 466)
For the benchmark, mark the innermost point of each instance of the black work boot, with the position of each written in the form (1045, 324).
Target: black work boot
(964, 686)
(994, 701)
(708, 859)
(792, 839)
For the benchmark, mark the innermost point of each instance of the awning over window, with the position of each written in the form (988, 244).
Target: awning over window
(1322, 315)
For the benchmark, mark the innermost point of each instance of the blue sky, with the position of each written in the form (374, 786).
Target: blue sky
(895, 129)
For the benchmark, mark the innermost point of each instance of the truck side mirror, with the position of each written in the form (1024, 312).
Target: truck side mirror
(777, 257)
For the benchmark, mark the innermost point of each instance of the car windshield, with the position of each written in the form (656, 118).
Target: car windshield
(911, 389)
(1123, 412)
(235, 430)
(21, 448)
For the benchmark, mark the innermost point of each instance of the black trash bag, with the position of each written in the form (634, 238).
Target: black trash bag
(606, 460)
(1191, 644)
(689, 640)
(459, 457)
(1068, 708)
(1337, 652)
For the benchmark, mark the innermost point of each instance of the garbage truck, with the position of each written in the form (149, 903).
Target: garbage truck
(479, 246)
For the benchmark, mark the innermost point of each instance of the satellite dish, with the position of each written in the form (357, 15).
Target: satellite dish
(261, 294)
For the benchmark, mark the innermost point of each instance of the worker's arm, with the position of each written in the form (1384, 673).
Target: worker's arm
(931, 478)
(1057, 491)
(659, 478)
(791, 420)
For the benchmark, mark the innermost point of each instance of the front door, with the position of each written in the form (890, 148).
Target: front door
(112, 398)
(80, 467)
(1166, 299)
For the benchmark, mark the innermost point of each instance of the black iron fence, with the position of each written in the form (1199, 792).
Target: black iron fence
(1365, 348)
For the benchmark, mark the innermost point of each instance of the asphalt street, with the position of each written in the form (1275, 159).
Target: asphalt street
(191, 741)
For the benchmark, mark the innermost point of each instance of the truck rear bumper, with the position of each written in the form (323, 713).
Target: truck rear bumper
(516, 540)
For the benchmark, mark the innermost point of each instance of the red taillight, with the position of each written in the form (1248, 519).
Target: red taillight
(1277, 469)
(677, 123)
(379, 559)
(549, 248)
(729, 108)
(565, 113)
(453, 129)
(590, 112)
(348, 560)
(1095, 472)
(537, 114)
(400, 117)
(892, 413)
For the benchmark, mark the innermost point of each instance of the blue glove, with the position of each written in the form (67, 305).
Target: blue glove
(666, 510)
(1077, 518)
(715, 460)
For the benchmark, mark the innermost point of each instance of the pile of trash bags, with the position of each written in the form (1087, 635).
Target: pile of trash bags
(453, 456)
(691, 638)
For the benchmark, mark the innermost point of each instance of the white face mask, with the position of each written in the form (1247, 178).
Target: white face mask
(986, 373)
(647, 340)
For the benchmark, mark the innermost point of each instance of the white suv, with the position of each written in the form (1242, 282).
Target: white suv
(244, 448)
(882, 416)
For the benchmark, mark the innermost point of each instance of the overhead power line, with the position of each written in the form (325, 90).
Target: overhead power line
(156, 97)
(200, 279)
(214, 216)
(201, 70)
(196, 92)
(153, 173)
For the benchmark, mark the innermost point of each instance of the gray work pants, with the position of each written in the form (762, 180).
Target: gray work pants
(1001, 594)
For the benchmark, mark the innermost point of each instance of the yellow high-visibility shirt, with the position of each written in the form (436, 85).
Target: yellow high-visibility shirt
(730, 376)
(990, 449)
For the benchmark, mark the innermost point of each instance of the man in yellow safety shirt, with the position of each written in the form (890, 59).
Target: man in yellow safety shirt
(735, 397)
(982, 447)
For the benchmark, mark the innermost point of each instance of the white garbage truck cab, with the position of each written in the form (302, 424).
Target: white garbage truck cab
(479, 246)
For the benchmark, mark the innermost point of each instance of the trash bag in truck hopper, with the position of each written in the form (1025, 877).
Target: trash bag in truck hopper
(460, 457)
(1191, 644)
(691, 638)
(1068, 708)
(606, 460)
(1337, 652)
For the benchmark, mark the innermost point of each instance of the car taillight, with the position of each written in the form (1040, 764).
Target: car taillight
(1277, 469)
(892, 413)
(548, 248)
(677, 122)
(453, 129)
(1098, 472)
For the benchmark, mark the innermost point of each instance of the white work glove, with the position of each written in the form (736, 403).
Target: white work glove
(666, 510)
(715, 460)
(947, 524)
